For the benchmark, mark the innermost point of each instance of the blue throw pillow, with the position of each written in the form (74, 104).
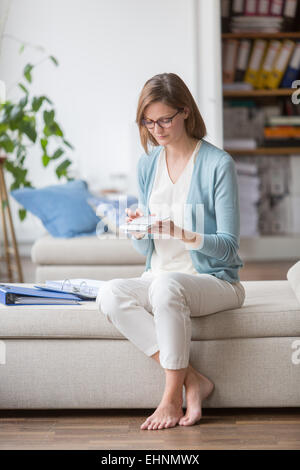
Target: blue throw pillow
(63, 208)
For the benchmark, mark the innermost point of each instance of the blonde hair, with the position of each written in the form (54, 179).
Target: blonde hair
(171, 90)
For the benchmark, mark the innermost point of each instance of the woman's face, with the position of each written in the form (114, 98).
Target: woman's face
(169, 135)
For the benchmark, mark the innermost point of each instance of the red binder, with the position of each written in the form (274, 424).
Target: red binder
(251, 7)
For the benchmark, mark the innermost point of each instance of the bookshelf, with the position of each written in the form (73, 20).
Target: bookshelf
(271, 151)
(264, 245)
(283, 35)
(259, 93)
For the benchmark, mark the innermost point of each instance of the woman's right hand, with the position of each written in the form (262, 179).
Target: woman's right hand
(131, 215)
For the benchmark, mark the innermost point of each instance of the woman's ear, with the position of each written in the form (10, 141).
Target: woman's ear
(186, 112)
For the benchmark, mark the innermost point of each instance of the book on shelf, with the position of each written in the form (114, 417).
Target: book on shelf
(263, 7)
(243, 54)
(255, 60)
(240, 144)
(292, 132)
(283, 121)
(264, 64)
(267, 64)
(229, 60)
(280, 63)
(276, 7)
(256, 24)
(260, 15)
(293, 69)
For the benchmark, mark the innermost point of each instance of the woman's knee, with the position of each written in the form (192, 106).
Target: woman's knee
(108, 297)
(164, 288)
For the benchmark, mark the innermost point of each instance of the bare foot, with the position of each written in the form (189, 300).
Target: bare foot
(197, 388)
(166, 415)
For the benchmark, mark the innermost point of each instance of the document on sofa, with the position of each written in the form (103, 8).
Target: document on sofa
(87, 289)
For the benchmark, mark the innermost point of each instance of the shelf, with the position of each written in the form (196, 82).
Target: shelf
(291, 35)
(266, 151)
(259, 93)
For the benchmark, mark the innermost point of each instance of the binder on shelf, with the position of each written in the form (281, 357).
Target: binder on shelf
(11, 294)
(293, 69)
(263, 7)
(237, 7)
(289, 14)
(251, 7)
(267, 63)
(225, 15)
(276, 7)
(229, 59)
(242, 59)
(255, 61)
(280, 64)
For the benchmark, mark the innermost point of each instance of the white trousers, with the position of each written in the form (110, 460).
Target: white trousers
(154, 312)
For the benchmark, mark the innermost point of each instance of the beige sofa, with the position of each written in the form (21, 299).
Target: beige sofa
(73, 357)
(104, 257)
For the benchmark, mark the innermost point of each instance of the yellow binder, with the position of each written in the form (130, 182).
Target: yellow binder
(267, 63)
(280, 64)
(256, 58)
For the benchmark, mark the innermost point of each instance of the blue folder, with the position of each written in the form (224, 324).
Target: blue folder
(15, 295)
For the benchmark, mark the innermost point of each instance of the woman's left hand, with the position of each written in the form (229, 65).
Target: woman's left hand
(167, 227)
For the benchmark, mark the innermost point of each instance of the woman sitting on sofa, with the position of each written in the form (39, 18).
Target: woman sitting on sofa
(192, 262)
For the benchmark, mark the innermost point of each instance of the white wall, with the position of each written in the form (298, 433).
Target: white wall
(107, 49)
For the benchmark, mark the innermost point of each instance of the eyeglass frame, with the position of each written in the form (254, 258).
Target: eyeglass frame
(180, 110)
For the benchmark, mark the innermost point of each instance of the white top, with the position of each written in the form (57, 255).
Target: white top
(168, 198)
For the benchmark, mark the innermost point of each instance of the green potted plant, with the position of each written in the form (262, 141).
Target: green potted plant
(30, 121)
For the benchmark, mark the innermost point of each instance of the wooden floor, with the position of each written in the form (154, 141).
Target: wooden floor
(120, 429)
(244, 428)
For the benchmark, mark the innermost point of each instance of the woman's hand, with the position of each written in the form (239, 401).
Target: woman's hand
(168, 227)
(131, 215)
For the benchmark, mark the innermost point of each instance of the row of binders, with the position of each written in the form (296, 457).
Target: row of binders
(260, 64)
(259, 15)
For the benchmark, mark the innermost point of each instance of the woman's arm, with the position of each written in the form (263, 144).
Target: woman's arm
(224, 244)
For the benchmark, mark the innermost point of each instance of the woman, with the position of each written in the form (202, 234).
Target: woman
(192, 262)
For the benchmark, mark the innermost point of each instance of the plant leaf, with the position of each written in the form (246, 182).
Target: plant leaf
(61, 170)
(68, 144)
(57, 154)
(22, 214)
(54, 60)
(45, 159)
(48, 117)
(44, 143)
(23, 88)
(27, 72)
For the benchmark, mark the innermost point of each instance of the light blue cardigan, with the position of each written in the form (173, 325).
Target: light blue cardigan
(214, 188)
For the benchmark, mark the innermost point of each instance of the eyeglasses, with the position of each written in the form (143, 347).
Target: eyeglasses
(164, 123)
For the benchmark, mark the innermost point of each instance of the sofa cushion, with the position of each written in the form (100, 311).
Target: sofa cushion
(270, 310)
(293, 276)
(104, 249)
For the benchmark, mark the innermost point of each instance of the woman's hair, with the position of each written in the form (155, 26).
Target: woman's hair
(171, 90)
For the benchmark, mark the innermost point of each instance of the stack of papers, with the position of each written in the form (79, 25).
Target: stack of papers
(83, 288)
(256, 24)
(141, 224)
